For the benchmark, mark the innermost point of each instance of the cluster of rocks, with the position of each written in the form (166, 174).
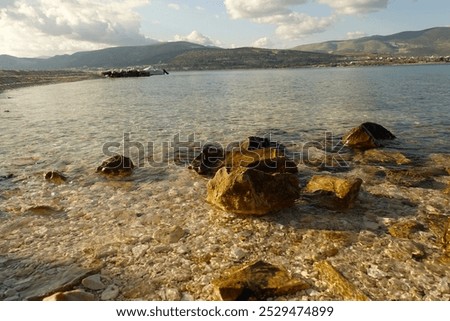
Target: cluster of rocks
(257, 178)
(126, 73)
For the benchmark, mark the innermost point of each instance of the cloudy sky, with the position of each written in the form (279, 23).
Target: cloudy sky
(33, 28)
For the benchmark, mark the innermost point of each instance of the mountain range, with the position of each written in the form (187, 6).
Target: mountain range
(428, 42)
(184, 55)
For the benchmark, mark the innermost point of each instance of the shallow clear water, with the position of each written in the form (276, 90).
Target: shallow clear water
(74, 126)
(69, 127)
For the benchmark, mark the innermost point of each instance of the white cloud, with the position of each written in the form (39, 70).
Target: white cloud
(356, 6)
(292, 24)
(356, 34)
(263, 42)
(197, 37)
(174, 6)
(47, 27)
(248, 9)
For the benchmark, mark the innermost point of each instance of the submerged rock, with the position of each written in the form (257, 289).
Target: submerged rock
(366, 136)
(405, 229)
(257, 281)
(55, 177)
(422, 177)
(209, 161)
(335, 192)
(251, 191)
(255, 142)
(338, 283)
(381, 156)
(116, 165)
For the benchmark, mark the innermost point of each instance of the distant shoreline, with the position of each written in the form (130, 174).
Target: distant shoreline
(12, 79)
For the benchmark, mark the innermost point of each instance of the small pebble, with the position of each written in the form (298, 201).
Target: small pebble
(93, 282)
(110, 293)
(75, 295)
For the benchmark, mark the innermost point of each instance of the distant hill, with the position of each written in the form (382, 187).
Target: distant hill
(172, 55)
(115, 57)
(241, 58)
(434, 41)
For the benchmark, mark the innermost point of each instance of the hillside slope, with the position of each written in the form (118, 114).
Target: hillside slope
(434, 41)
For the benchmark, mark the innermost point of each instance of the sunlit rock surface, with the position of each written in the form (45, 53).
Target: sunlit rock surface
(334, 192)
(366, 136)
(252, 192)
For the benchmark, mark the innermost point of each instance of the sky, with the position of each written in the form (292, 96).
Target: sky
(44, 28)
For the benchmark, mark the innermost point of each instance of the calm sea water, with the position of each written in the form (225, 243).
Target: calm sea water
(66, 126)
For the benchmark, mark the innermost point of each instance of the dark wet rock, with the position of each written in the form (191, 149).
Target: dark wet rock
(334, 192)
(74, 295)
(55, 177)
(255, 142)
(252, 192)
(378, 156)
(116, 165)
(338, 283)
(257, 281)
(209, 161)
(255, 152)
(366, 136)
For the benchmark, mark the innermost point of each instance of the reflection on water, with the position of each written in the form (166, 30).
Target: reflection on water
(71, 122)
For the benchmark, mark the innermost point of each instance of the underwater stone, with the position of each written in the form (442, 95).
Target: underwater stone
(338, 283)
(257, 281)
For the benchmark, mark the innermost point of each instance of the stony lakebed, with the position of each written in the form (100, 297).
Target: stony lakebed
(360, 220)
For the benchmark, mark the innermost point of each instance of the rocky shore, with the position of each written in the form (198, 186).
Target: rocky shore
(10, 79)
(377, 229)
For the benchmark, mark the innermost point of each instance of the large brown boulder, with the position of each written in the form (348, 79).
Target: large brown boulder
(251, 191)
(366, 136)
(334, 192)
